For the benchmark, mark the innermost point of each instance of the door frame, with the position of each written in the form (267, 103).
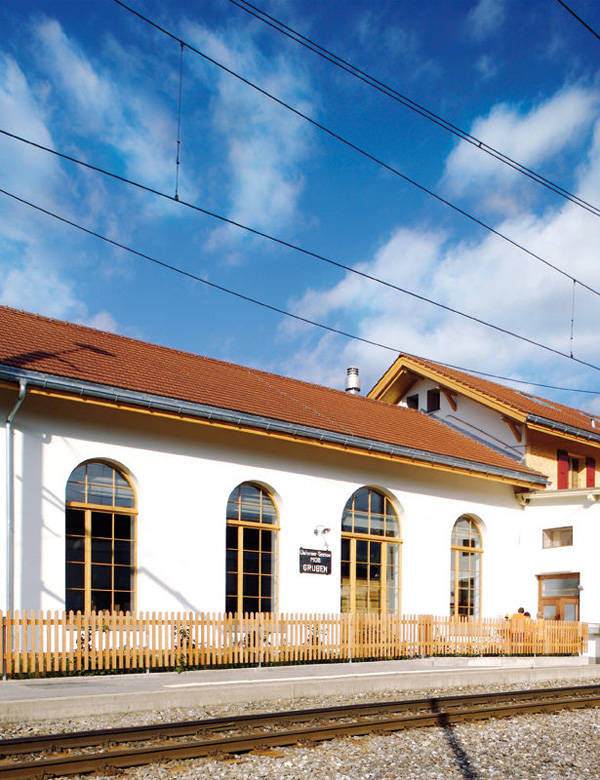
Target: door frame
(557, 601)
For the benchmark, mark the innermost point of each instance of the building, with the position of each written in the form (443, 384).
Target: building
(560, 532)
(150, 479)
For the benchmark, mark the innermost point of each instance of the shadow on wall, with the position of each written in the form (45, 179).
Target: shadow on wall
(176, 595)
(36, 501)
(30, 522)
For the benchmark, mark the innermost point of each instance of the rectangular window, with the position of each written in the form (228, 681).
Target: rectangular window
(557, 537)
(433, 400)
(555, 586)
(99, 564)
(412, 401)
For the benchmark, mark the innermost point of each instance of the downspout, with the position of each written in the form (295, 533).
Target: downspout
(10, 497)
(10, 511)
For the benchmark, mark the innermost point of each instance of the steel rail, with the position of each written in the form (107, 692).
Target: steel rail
(443, 711)
(36, 743)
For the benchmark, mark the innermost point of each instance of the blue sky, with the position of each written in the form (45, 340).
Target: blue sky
(89, 79)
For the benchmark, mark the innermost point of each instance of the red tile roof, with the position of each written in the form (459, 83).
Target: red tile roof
(519, 400)
(36, 343)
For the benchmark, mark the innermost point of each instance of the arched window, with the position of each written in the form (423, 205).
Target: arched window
(465, 574)
(100, 539)
(252, 525)
(370, 554)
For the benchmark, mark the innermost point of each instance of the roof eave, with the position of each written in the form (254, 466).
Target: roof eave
(535, 421)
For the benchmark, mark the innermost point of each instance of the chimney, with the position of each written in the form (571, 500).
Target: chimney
(352, 381)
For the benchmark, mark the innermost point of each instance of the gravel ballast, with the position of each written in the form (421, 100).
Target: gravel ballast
(556, 745)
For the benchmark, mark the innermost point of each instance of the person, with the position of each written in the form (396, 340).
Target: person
(521, 631)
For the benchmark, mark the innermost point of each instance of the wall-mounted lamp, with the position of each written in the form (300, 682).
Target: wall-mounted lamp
(321, 530)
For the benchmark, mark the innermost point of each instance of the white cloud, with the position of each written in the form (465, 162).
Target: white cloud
(111, 105)
(32, 259)
(264, 143)
(25, 170)
(35, 285)
(530, 137)
(396, 42)
(38, 284)
(486, 67)
(484, 277)
(485, 18)
(102, 320)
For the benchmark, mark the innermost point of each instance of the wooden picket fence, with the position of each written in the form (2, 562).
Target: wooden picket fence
(63, 643)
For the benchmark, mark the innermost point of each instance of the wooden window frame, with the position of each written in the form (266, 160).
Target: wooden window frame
(548, 531)
(386, 542)
(455, 550)
(239, 524)
(88, 509)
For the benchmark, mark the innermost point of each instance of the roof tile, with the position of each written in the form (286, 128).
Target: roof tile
(37, 343)
(517, 399)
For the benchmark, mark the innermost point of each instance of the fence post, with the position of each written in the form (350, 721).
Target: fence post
(259, 626)
(350, 636)
(3, 648)
(425, 635)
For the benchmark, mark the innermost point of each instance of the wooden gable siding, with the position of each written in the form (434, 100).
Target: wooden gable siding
(542, 455)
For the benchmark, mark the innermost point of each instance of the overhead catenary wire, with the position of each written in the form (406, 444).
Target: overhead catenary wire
(180, 97)
(407, 102)
(297, 248)
(361, 151)
(284, 312)
(579, 19)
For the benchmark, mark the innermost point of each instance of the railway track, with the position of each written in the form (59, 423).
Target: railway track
(102, 749)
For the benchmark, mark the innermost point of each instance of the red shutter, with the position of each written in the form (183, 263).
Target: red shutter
(562, 457)
(590, 472)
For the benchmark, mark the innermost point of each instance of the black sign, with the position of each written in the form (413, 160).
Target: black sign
(315, 561)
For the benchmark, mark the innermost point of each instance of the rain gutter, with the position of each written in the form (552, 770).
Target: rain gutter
(10, 501)
(209, 413)
(563, 428)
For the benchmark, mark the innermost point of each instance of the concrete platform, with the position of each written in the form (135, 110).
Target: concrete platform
(45, 699)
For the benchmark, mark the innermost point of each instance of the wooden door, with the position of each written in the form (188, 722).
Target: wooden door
(558, 596)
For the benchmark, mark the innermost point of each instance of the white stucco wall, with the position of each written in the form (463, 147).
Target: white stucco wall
(475, 419)
(584, 516)
(5, 408)
(183, 474)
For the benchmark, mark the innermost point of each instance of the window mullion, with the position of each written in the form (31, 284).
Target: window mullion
(240, 575)
(112, 557)
(383, 572)
(352, 575)
(455, 571)
(87, 557)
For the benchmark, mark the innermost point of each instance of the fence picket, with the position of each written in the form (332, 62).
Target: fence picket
(68, 642)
